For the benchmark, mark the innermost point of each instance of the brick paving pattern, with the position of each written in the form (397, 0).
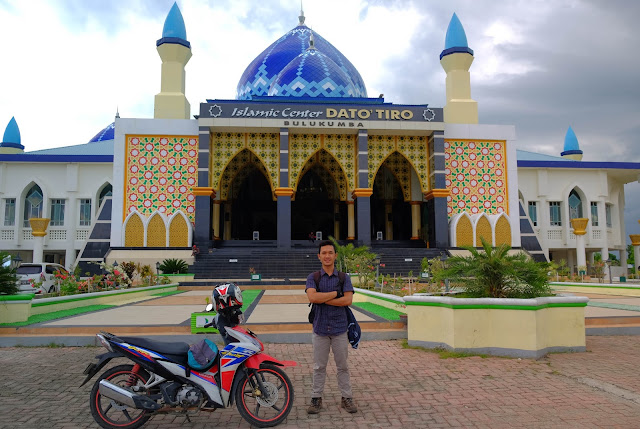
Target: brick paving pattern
(393, 387)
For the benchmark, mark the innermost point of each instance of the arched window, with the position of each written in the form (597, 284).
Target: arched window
(106, 192)
(32, 204)
(575, 205)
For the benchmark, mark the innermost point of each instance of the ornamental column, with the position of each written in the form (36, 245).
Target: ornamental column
(635, 241)
(216, 219)
(580, 229)
(336, 220)
(437, 197)
(362, 193)
(38, 230)
(351, 222)
(284, 193)
(202, 233)
(415, 219)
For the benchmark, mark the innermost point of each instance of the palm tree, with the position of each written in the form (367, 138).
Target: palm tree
(494, 273)
(8, 279)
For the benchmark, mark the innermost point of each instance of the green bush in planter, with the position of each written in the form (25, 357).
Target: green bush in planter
(174, 266)
(494, 273)
(8, 279)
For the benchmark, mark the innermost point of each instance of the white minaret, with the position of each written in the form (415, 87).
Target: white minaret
(456, 60)
(175, 52)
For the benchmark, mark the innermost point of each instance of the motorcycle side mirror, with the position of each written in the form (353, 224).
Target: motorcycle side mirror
(209, 307)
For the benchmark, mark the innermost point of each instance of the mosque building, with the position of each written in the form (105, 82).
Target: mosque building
(303, 150)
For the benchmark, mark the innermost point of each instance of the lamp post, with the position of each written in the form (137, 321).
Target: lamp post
(377, 261)
(115, 264)
(157, 272)
(443, 259)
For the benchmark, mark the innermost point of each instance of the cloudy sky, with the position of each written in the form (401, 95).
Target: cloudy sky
(540, 65)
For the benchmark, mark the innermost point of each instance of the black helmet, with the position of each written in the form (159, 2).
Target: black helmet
(227, 297)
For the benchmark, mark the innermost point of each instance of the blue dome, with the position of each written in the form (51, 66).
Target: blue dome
(105, 134)
(571, 145)
(12, 133)
(174, 24)
(312, 74)
(263, 70)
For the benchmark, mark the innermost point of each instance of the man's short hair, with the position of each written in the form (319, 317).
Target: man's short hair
(327, 243)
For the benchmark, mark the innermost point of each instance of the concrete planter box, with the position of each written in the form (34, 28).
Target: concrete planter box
(526, 328)
(176, 278)
(15, 308)
(386, 300)
(116, 296)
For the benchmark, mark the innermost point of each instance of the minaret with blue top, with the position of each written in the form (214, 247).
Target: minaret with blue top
(456, 60)
(175, 52)
(571, 146)
(11, 139)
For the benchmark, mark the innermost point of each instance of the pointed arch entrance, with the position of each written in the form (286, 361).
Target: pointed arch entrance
(391, 217)
(246, 194)
(319, 200)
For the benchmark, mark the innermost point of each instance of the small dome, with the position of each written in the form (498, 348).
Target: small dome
(12, 133)
(571, 146)
(456, 38)
(312, 74)
(105, 134)
(258, 77)
(174, 24)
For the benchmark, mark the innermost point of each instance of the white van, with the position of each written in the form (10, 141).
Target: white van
(44, 272)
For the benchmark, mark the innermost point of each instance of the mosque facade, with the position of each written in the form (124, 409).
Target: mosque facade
(303, 151)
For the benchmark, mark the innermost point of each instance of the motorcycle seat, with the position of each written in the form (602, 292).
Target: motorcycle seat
(164, 348)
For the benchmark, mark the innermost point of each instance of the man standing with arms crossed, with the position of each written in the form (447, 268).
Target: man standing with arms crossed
(329, 327)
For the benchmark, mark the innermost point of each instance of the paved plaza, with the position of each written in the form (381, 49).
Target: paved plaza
(393, 387)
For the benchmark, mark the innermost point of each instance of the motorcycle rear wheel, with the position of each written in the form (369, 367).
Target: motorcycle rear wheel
(111, 414)
(269, 410)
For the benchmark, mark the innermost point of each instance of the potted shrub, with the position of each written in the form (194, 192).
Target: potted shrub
(506, 307)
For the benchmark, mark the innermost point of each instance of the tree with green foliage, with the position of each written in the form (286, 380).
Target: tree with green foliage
(494, 273)
(349, 256)
(174, 266)
(8, 279)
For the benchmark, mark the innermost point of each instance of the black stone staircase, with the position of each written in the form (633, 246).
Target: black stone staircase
(234, 262)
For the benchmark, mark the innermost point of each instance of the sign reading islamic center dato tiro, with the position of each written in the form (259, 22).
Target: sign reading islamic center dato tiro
(319, 115)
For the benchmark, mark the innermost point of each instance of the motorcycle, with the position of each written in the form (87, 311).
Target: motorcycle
(162, 380)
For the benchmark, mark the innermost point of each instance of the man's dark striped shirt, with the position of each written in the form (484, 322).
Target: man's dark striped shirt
(330, 320)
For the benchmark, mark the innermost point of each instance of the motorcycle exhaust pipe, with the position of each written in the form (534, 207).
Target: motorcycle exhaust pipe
(118, 394)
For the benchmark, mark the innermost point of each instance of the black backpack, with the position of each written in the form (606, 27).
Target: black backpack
(353, 328)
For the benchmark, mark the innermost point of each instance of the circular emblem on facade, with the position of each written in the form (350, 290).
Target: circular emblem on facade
(215, 110)
(428, 115)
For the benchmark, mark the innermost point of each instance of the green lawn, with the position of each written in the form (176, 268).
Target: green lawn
(37, 318)
(378, 310)
(249, 295)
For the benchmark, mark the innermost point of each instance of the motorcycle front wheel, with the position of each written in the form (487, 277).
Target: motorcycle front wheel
(111, 414)
(268, 408)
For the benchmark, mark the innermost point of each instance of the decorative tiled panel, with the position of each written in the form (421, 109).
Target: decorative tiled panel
(266, 146)
(476, 175)
(379, 148)
(413, 148)
(343, 147)
(237, 170)
(224, 146)
(301, 147)
(160, 172)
